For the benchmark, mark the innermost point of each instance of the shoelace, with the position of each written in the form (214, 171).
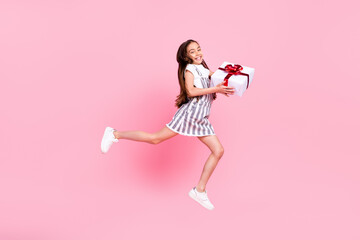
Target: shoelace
(203, 196)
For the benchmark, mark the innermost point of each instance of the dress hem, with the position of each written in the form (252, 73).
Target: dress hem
(190, 135)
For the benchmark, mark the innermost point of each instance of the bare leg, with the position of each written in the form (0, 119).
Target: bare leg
(141, 136)
(217, 151)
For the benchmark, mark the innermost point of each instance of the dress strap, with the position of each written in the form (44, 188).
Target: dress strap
(198, 71)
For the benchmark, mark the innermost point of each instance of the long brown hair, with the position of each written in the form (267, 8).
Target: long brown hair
(183, 60)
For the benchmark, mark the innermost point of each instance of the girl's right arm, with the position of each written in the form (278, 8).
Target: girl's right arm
(194, 91)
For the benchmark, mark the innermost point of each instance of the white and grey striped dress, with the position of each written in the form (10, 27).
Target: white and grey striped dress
(191, 119)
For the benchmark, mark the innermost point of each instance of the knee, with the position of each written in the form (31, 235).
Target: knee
(219, 152)
(154, 140)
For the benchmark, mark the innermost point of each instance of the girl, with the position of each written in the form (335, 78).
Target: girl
(191, 119)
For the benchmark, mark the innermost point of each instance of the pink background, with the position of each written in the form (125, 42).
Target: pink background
(71, 68)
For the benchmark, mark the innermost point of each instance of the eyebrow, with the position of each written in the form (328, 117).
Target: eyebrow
(194, 48)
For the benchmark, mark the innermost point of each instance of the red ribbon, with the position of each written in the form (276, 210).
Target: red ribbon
(234, 70)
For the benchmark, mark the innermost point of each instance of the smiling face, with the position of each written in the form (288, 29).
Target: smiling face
(194, 53)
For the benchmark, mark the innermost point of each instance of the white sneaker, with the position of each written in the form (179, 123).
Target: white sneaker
(202, 198)
(108, 139)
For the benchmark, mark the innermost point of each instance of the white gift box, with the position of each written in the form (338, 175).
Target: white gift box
(239, 82)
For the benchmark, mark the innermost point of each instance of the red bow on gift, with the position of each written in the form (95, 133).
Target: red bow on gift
(234, 70)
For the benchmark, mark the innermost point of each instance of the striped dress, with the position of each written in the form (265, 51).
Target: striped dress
(191, 119)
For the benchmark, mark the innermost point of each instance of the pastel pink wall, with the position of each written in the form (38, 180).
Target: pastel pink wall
(71, 68)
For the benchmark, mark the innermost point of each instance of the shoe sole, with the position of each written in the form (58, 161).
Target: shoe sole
(193, 196)
(103, 138)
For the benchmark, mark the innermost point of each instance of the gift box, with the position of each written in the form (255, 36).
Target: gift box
(235, 75)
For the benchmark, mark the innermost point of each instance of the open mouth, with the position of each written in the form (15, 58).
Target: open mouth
(198, 58)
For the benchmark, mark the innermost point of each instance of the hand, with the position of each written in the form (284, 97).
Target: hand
(225, 89)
